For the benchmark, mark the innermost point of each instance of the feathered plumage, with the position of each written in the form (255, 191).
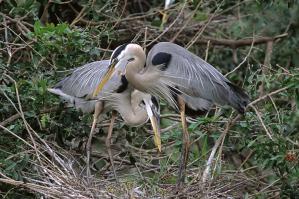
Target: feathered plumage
(201, 83)
(77, 89)
(170, 70)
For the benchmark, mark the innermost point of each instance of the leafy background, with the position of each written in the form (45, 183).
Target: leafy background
(257, 41)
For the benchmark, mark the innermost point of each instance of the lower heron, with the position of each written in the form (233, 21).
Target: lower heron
(135, 107)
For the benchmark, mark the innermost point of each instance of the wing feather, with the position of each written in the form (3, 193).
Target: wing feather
(84, 80)
(198, 79)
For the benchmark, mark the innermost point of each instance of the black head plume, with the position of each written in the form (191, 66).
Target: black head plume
(117, 51)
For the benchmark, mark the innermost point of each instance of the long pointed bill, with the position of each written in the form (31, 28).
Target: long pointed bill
(155, 121)
(105, 79)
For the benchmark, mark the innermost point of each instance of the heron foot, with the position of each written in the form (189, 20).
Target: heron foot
(185, 147)
(108, 143)
(88, 149)
(98, 110)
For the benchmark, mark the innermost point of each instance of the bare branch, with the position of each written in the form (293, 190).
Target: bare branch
(261, 121)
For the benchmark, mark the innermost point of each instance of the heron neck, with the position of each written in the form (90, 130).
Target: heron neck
(133, 116)
(141, 78)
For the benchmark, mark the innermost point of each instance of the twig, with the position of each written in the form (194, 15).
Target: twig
(17, 116)
(199, 33)
(10, 119)
(31, 132)
(276, 109)
(145, 39)
(28, 44)
(79, 16)
(15, 135)
(235, 56)
(206, 172)
(269, 50)
(207, 51)
(121, 14)
(44, 17)
(244, 60)
(261, 121)
(239, 43)
(269, 94)
(23, 116)
(172, 24)
(18, 22)
(285, 70)
(294, 143)
(186, 22)
(266, 65)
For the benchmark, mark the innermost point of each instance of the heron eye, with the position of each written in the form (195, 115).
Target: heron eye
(131, 59)
(142, 104)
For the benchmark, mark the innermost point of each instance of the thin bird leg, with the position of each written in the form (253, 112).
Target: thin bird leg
(97, 111)
(185, 148)
(108, 142)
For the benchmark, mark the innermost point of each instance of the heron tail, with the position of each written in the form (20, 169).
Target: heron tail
(239, 99)
(86, 106)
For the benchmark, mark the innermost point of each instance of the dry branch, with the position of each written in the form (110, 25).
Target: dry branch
(261, 121)
(242, 62)
(18, 116)
(206, 172)
(266, 65)
(267, 95)
(239, 43)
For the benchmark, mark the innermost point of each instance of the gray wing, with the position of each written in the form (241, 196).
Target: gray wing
(196, 78)
(197, 103)
(77, 88)
(84, 80)
(86, 106)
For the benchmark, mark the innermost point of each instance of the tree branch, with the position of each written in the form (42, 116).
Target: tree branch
(239, 43)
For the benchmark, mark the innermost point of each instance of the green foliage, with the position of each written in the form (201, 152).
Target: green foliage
(65, 47)
(23, 7)
(278, 155)
(56, 44)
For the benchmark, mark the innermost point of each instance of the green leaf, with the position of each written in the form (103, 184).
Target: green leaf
(37, 28)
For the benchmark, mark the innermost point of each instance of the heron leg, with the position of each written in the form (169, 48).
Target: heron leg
(97, 111)
(108, 142)
(185, 148)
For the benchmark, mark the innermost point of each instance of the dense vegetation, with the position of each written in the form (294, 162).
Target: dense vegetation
(42, 144)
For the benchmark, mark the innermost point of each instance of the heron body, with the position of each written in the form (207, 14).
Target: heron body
(77, 88)
(170, 70)
(135, 107)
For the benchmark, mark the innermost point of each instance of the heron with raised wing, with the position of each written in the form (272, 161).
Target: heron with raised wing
(135, 107)
(183, 79)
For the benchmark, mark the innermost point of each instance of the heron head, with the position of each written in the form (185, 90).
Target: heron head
(122, 57)
(151, 105)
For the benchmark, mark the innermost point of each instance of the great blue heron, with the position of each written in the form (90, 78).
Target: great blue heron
(135, 107)
(180, 77)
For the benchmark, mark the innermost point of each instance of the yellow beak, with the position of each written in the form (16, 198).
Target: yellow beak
(157, 136)
(154, 118)
(105, 79)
